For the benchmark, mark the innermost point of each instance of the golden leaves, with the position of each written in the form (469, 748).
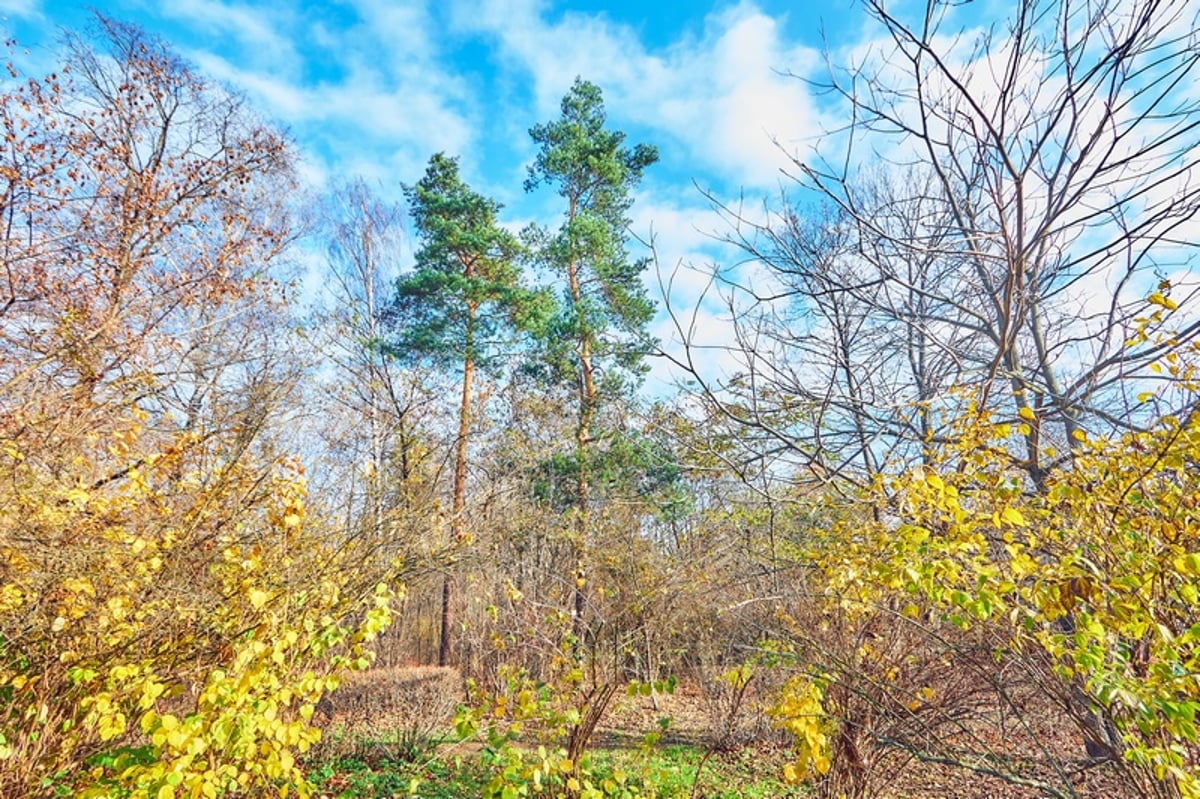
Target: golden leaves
(799, 711)
(1188, 564)
(1161, 300)
(77, 497)
(258, 598)
(137, 571)
(1012, 516)
(1110, 544)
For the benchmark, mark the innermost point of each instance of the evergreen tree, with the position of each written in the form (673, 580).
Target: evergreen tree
(598, 338)
(459, 308)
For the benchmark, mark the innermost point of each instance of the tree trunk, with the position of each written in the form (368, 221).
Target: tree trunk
(583, 438)
(458, 513)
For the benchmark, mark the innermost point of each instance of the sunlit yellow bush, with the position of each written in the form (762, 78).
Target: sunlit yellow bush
(799, 711)
(1098, 574)
(167, 633)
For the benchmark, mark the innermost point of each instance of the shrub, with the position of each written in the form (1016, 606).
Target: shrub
(169, 634)
(399, 711)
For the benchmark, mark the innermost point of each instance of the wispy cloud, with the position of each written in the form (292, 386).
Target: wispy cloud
(724, 96)
(20, 8)
(258, 31)
(366, 93)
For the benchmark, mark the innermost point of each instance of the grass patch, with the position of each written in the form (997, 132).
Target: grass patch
(353, 777)
(665, 772)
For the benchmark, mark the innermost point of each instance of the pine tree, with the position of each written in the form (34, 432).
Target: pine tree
(459, 307)
(598, 338)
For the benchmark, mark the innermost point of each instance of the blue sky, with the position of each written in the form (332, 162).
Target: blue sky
(374, 87)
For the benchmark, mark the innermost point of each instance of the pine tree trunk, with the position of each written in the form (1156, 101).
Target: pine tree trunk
(458, 514)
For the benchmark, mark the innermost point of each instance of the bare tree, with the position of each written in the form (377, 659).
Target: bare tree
(1002, 229)
(1024, 229)
(378, 403)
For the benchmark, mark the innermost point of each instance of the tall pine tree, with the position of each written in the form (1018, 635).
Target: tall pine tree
(459, 308)
(598, 337)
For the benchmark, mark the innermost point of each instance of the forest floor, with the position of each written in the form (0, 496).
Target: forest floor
(895, 774)
(692, 758)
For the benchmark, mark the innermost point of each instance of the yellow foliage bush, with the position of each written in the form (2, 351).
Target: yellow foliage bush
(800, 712)
(1098, 574)
(168, 633)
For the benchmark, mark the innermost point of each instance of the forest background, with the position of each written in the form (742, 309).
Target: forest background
(928, 471)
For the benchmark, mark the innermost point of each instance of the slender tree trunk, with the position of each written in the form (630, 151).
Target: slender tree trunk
(583, 510)
(444, 647)
(367, 275)
(458, 514)
(583, 438)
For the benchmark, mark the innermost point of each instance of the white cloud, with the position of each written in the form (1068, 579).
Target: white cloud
(21, 8)
(258, 30)
(382, 103)
(404, 30)
(278, 98)
(723, 96)
(694, 261)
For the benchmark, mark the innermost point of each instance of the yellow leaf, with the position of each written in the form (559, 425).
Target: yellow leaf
(1188, 564)
(1014, 517)
(1157, 298)
(258, 598)
(111, 726)
(934, 481)
(1027, 414)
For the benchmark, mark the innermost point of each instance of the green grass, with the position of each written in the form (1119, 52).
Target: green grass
(746, 772)
(352, 777)
(665, 772)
